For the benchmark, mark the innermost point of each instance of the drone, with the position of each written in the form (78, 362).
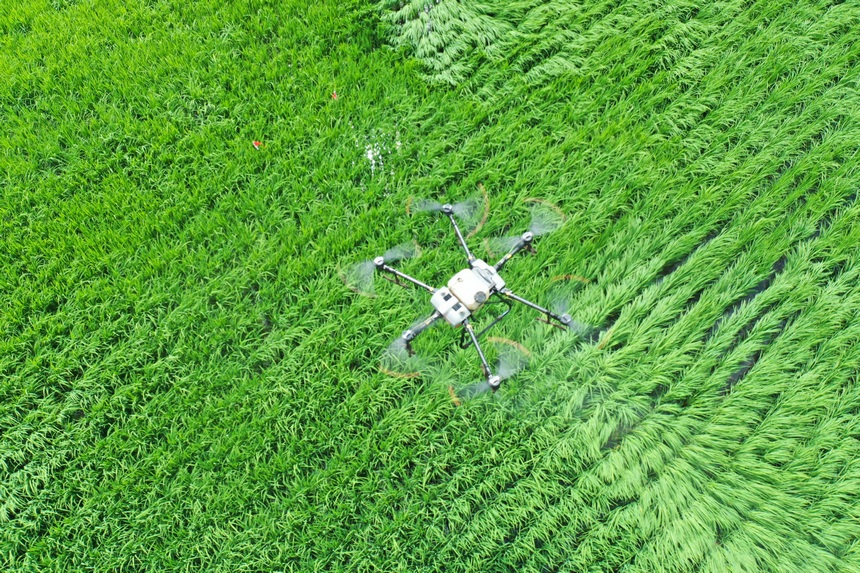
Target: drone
(469, 290)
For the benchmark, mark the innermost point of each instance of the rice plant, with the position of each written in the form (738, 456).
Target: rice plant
(187, 384)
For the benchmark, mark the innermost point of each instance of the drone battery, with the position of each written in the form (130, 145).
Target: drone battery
(470, 288)
(449, 307)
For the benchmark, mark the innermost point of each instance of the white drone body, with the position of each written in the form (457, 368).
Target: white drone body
(467, 291)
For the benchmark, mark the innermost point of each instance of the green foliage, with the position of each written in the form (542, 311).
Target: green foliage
(448, 37)
(186, 383)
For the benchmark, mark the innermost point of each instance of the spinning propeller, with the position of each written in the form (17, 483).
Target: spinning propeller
(464, 209)
(469, 212)
(510, 362)
(560, 302)
(359, 277)
(546, 218)
(399, 359)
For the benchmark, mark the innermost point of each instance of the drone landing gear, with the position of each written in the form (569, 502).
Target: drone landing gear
(467, 342)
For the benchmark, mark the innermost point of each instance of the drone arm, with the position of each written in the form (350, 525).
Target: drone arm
(491, 379)
(385, 268)
(417, 329)
(525, 241)
(564, 320)
(413, 331)
(462, 240)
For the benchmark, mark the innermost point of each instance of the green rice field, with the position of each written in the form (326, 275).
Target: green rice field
(188, 384)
